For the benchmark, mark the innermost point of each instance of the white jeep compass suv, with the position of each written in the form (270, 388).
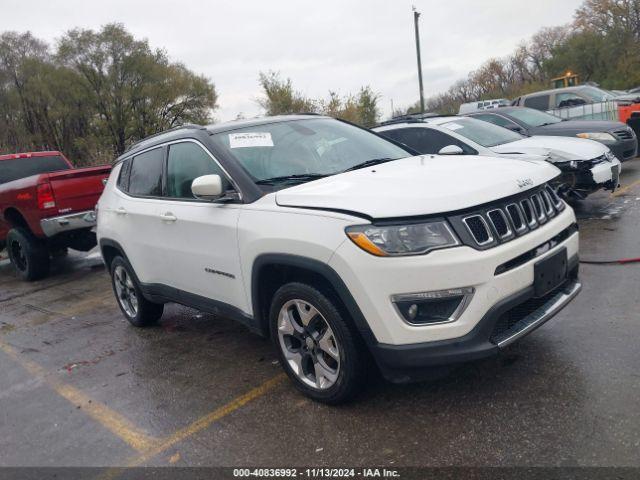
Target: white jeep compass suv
(339, 245)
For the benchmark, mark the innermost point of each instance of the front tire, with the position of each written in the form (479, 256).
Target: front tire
(29, 255)
(317, 347)
(138, 310)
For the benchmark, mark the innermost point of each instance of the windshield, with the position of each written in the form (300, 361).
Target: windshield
(534, 118)
(597, 94)
(23, 167)
(483, 133)
(304, 148)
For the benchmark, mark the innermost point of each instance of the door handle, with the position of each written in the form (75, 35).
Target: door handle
(168, 217)
(121, 211)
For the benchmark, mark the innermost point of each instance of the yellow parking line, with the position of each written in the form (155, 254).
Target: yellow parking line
(209, 419)
(625, 189)
(147, 446)
(109, 419)
(195, 427)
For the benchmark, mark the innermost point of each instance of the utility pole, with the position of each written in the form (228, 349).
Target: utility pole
(416, 16)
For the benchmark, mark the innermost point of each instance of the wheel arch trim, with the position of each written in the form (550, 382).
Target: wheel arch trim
(315, 267)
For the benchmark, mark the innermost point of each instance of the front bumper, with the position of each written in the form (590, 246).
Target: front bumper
(625, 149)
(404, 363)
(498, 275)
(65, 223)
(587, 179)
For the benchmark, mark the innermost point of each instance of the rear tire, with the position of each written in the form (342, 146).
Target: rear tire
(138, 310)
(317, 346)
(29, 255)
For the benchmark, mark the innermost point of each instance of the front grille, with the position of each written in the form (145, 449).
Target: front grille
(623, 134)
(510, 318)
(479, 229)
(501, 221)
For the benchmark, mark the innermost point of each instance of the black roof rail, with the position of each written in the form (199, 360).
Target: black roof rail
(400, 120)
(187, 126)
(411, 118)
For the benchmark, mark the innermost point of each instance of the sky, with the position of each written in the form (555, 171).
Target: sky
(321, 45)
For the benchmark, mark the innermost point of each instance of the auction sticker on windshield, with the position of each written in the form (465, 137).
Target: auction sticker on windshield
(453, 126)
(250, 139)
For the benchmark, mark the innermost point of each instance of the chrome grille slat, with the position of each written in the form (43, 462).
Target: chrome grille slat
(474, 229)
(548, 204)
(536, 201)
(500, 223)
(529, 213)
(517, 217)
(557, 201)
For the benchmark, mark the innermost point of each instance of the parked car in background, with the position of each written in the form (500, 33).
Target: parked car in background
(584, 102)
(586, 165)
(619, 137)
(484, 105)
(339, 245)
(46, 206)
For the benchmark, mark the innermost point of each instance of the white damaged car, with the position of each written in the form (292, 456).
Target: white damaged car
(586, 165)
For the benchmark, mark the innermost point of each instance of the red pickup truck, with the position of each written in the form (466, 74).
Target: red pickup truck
(46, 207)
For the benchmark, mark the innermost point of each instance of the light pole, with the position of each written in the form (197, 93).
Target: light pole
(416, 16)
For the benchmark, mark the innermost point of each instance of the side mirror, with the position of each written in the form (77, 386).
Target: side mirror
(451, 150)
(207, 187)
(514, 128)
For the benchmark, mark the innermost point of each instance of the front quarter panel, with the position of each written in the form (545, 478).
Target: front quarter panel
(265, 228)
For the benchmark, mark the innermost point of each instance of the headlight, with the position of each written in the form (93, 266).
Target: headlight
(398, 240)
(610, 156)
(597, 136)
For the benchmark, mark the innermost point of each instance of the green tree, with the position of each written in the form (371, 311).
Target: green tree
(281, 98)
(135, 91)
(368, 112)
(94, 96)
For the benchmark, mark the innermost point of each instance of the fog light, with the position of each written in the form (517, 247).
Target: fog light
(428, 308)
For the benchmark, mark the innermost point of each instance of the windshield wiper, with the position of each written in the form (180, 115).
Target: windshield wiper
(369, 163)
(303, 177)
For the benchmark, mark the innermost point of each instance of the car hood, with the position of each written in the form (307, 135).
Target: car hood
(578, 126)
(422, 185)
(628, 97)
(558, 149)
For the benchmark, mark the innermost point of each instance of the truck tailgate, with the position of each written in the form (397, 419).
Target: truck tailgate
(78, 189)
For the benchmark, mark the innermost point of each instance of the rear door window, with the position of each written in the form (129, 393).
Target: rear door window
(123, 176)
(540, 102)
(145, 178)
(426, 140)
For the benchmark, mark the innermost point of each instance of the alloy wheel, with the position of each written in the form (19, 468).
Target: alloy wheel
(125, 291)
(308, 343)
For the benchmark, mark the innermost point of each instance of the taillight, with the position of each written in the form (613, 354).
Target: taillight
(45, 196)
